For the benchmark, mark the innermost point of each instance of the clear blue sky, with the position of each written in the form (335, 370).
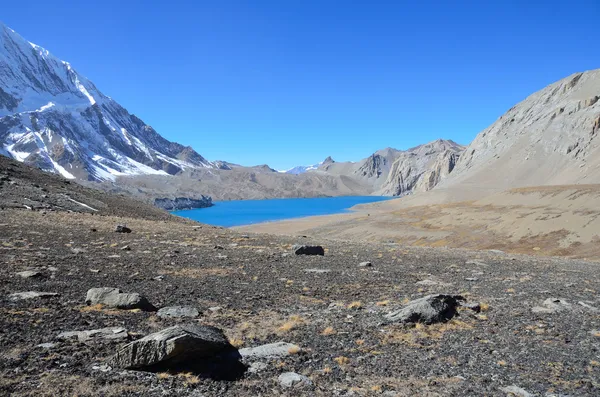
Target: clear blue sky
(291, 82)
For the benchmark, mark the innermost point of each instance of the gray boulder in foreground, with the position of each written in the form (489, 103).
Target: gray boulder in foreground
(172, 346)
(291, 379)
(272, 350)
(113, 297)
(178, 312)
(428, 310)
(308, 250)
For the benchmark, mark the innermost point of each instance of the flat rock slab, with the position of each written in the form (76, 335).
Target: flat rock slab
(178, 312)
(428, 310)
(113, 297)
(107, 334)
(172, 346)
(289, 380)
(308, 250)
(553, 305)
(515, 391)
(365, 264)
(30, 274)
(17, 296)
(319, 271)
(270, 351)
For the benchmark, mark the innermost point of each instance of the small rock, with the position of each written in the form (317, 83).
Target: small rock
(553, 305)
(314, 270)
(178, 312)
(113, 297)
(427, 282)
(588, 306)
(122, 229)
(30, 274)
(218, 247)
(291, 379)
(476, 307)
(365, 264)
(429, 309)
(221, 256)
(270, 351)
(308, 250)
(215, 308)
(172, 346)
(257, 367)
(159, 278)
(126, 248)
(471, 279)
(48, 345)
(515, 391)
(110, 334)
(31, 295)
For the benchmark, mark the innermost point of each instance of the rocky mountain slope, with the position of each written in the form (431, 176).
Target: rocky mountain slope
(392, 172)
(56, 119)
(550, 138)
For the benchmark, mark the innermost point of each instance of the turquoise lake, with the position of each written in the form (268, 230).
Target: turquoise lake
(247, 212)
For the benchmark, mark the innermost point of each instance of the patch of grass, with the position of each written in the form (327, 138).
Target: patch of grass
(355, 305)
(383, 303)
(293, 322)
(342, 360)
(294, 350)
(328, 331)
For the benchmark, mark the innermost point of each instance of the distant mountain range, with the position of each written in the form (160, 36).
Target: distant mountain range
(59, 121)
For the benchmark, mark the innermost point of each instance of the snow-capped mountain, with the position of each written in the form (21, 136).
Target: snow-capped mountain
(56, 119)
(301, 169)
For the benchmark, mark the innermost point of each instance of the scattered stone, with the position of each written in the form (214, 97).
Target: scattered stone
(48, 345)
(315, 270)
(113, 297)
(365, 264)
(476, 307)
(95, 270)
(588, 306)
(257, 367)
(471, 279)
(497, 251)
(291, 379)
(429, 310)
(178, 312)
(122, 229)
(215, 308)
(126, 248)
(427, 282)
(308, 250)
(270, 351)
(218, 247)
(102, 368)
(159, 278)
(515, 391)
(31, 295)
(109, 334)
(553, 305)
(30, 274)
(172, 346)
(221, 256)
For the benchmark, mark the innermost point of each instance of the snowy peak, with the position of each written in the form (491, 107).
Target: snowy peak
(56, 119)
(301, 169)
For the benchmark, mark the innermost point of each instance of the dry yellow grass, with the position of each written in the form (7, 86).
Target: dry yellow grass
(355, 305)
(293, 322)
(341, 360)
(328, 331)
(415, 336)
(383, 303)
(294, 350)
(163, 375)
(235, 342)
(189, 378)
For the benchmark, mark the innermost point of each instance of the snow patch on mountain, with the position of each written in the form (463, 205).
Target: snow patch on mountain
(300, 169)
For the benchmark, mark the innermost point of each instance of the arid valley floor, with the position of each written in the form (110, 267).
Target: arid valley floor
(506, 338)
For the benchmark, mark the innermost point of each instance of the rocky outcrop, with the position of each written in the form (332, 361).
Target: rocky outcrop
(428, 310)
(183, 203)
(421, 168)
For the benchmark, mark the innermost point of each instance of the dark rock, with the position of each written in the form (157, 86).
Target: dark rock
(113, 297)
(122, 229)
(172, 347)
(429, 310)
(308, 250)
(183, 203)
(178, 312)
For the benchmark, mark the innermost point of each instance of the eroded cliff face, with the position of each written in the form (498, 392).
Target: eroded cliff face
(421, 168)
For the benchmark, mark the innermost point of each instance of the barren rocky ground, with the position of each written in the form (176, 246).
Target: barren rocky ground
(511, 335)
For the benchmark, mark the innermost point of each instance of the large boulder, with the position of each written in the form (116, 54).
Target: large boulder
(172, 347)
(428, 310)
(113, 297)
(308, 250)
